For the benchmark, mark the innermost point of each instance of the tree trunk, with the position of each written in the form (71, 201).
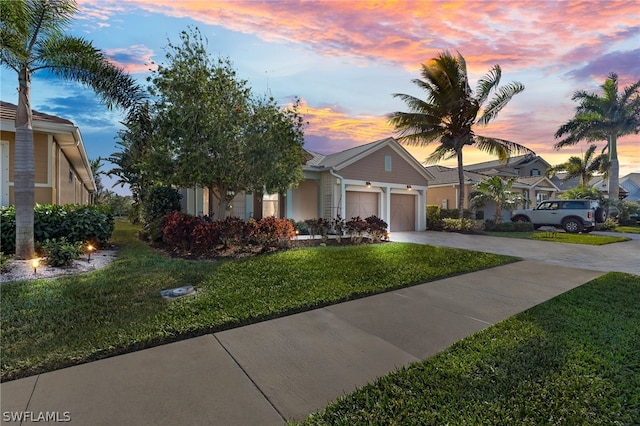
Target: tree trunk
(24, 174)
(461, 182)
(614, 169)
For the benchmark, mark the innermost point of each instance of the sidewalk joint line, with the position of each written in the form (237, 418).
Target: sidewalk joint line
(250, 378)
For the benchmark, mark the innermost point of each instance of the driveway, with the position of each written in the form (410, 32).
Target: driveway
(621, 257)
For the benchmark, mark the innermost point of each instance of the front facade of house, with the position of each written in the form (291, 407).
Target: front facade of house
(62, 171)
(380, 178)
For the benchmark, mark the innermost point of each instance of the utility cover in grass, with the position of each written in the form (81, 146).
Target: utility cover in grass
(174, 293)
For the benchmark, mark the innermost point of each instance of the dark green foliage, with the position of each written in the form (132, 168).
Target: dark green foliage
(377, 228)
(465, 226)
(455, 214)
(77, 223)
(61, 252)
(4, 262)
(434, 221)
(159, 201)
(490, 225)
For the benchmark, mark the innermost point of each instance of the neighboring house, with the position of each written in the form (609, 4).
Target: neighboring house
(444, 188)
(629, 185)
(379, 178)
(62, 171)
(522, 165)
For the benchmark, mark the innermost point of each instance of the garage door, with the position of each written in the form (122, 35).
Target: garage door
(403, 212)
(363, 204)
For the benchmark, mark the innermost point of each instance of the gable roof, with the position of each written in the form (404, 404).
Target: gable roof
(342, 159)
(449, 175)
(631, 183)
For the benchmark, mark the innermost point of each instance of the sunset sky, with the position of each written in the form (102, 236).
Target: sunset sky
(345, 59)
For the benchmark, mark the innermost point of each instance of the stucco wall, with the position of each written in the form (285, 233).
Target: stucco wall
(304, 204)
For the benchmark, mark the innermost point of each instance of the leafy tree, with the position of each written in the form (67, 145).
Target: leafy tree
(95, 165)
(217, 134)
(31, 39)
(497, 190)
(583, 168)
(143, 161)
(451, 111)
(117, 205)
(607, 117)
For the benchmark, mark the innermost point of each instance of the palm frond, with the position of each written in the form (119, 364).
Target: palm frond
(501, 99)
(501, 147)
(487, 83)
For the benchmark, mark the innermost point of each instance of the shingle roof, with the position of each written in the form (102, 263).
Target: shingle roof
(8, 112)
(448, 175)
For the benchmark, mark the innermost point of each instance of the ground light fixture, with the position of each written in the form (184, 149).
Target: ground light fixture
(90, 248)
(34, 264)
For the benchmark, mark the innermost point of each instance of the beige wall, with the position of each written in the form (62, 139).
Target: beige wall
(372, 168)
(304, 204)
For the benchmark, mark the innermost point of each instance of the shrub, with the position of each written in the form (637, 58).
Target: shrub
(338, 226)
(61, 252)
(319, 226)
(159, 201)
(608, 225)
(4, 262)
(454, 214)
(377, 228)
(77, 223)
(271, 232)
(301, 228)
(457, 225)
(434, 220)
(232, 231)
(177, 230)
(356, 228)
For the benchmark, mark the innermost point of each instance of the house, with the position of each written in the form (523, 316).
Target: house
(62, 171)
(529, 172)
(631, 184)
(379, 178)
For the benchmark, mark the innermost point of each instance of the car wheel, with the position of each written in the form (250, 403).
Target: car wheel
(601, 215)
(572, 226)
(520, 219)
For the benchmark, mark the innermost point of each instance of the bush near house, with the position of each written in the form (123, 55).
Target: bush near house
(436, 219)
(77, 223)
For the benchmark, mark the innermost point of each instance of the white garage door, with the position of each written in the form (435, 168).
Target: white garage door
(403, 212)
(363, 204)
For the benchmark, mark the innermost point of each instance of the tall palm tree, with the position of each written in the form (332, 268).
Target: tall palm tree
(498, 190)
(451, 111)
(32, 39)
(607, 117)
(583, 168)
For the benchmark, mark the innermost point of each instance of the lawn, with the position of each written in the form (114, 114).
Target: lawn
(561, 237)
(49, 324)
(628, 229)
(573, 360)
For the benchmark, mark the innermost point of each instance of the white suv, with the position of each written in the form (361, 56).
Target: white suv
(572, 215)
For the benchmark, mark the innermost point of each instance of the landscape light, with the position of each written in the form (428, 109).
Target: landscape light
(89, 250)
(35, 263)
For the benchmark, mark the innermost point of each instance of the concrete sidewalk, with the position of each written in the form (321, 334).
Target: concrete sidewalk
(270, 372)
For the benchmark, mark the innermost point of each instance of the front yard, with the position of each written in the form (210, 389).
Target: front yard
(50, 324)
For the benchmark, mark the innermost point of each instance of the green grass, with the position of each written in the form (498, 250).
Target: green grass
(628, 229)
(561, 237)
(574, 360)
(49, 324)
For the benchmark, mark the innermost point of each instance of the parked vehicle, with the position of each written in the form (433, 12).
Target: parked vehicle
(571, 215)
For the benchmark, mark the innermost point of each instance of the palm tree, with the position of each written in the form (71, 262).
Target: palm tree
(583, 168)
(32, 39)
(604, 118)
(497, 190)
(452, 110)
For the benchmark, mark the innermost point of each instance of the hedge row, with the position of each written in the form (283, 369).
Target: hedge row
(183, 233)
(77, 223)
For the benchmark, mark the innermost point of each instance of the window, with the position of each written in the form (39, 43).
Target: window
(541, 196)
(516, 171)
(387, 163)
(535, 172)
(70, 176)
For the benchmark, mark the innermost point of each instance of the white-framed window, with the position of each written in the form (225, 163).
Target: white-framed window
(387, 163)
(535, 172)
(516, 171)
(541, 196)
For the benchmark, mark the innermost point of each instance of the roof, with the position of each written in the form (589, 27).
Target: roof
(8, 112)
(449, 175)
(342, 159)
(66, 134)
(519, 160)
